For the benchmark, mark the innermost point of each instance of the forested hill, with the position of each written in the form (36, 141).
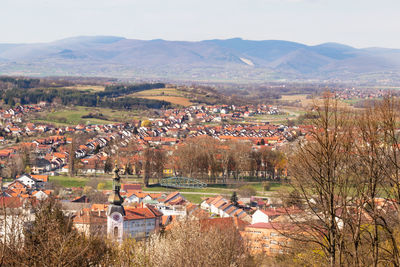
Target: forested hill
(30, 91)
(232, 59)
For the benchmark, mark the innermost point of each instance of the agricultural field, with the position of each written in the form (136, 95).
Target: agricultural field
(271, 118)
(307, 102)
(171, 95)
(73, 116)
(301, 98)
(177, 100)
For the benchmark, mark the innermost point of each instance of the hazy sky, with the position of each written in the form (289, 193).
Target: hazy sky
(361, 23)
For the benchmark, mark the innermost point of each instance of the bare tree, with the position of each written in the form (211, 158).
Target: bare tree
(319, 173)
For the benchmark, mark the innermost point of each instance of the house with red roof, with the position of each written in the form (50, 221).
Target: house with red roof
(224, 208)
(174, 198)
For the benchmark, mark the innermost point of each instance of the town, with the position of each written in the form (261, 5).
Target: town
(223, 166)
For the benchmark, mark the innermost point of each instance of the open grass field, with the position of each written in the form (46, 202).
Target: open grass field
(67, 181)
(302, 98)
(223, 189)
(171, 95)
(92, 88)
(73, 116)
(177, 100)
(158, 92)
(270, 118)
(197, 190)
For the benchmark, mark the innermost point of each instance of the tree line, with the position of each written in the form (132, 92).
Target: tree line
(109, 98)
(346, 175)
(210, 160)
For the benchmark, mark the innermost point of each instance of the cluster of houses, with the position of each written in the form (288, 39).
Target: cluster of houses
(172, 127)
(51, 153)
(224, 208)
(266, 227)
(145, 212)
(357, 93)
(16, 114)
(27, 187)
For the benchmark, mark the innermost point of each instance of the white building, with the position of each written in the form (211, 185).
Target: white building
(29, 181)
(136, 223)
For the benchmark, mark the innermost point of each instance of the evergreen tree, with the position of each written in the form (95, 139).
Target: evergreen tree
(108, 165)
(97, 149)
(234, 198)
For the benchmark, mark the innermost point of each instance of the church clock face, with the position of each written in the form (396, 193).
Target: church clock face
(116, 217)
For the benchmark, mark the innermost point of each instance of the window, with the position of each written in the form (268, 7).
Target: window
(115, 231)
(255, 232)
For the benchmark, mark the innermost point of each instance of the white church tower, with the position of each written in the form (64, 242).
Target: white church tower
(115, 211)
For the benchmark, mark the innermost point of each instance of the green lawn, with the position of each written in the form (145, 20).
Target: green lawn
(66, 181)
(273, 186)
(199, 190)
(195, 198)
(222, 189)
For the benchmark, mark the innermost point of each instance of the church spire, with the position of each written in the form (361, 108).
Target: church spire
(115, 198)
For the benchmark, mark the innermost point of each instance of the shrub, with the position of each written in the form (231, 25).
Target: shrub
(101, 186)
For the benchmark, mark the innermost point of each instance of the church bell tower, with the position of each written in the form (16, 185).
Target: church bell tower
(115, 211)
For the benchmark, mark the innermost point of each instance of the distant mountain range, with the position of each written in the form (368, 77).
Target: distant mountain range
(220, 60)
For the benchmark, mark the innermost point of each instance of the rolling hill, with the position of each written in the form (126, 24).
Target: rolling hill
(232, 59)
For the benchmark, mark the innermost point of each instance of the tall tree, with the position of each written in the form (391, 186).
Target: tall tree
(319, 173)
